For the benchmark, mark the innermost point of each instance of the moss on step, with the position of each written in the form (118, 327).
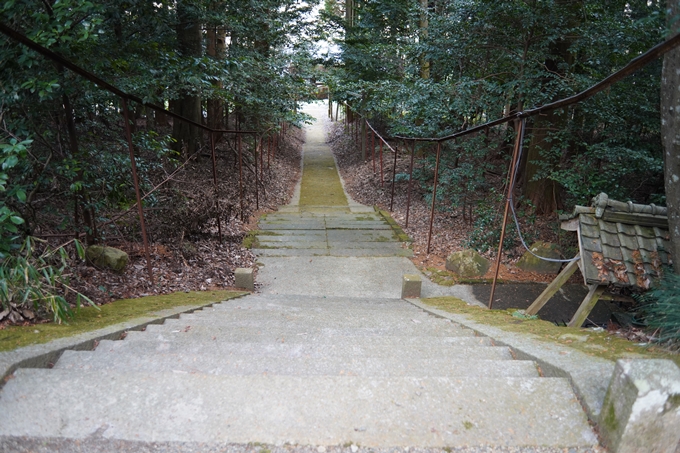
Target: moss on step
(596, 343)
(250, 240)
(321, 184)
(400, 235)
(89, 318)
(447, 278)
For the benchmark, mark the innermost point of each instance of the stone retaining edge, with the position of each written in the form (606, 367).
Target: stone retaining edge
(44, 354)
(589, 376)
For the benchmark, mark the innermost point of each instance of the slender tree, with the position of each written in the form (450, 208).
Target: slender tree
(670, 132)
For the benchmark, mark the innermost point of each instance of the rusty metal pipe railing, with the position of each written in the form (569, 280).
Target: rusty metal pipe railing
(102, 83)
(382, 173)
(133, 164)
(410, 180)
(511, 183)
(635, 64)
(240, 174)
(434, 195)
(217, 194)
(372, 148)
(394, 179)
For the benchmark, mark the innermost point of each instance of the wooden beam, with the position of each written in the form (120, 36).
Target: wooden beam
(553, 287)
(587, 305)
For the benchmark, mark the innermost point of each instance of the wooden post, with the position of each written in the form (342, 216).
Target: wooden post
(587, 305)
(553, 287)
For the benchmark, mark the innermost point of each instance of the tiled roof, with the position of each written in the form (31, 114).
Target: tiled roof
(623, 244)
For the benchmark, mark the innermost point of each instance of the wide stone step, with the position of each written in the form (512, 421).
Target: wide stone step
(329, 316)
(341, 252)
(246, 335)
(387, 346)
(316, 303)
(302, 327)
(472, 348)
(479, 348)
(286, 337)
(316, 410)
(465, 365)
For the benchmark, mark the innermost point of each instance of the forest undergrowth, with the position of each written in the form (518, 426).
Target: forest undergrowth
(186, 254)
(453, 228)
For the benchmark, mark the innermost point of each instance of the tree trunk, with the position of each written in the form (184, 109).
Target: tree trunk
(670, 133)
(424, 25)
(188, 105)
(216, 48)
(543, 193)
(349, 13)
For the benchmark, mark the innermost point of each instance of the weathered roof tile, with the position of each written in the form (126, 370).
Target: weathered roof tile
(622, 243)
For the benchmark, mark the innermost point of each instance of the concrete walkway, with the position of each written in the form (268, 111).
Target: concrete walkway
(326, 357)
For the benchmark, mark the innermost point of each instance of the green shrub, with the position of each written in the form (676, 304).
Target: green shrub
(36, 284)
(486, 232)
(661, 310)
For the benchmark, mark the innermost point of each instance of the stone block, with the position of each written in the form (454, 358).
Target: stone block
(410, 286)
(467, 263)
(531, 263)
(106, 257)
(244, 278)
(641, 411)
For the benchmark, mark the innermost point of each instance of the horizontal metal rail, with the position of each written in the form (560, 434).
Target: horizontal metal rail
(102, 83)
(622, 73)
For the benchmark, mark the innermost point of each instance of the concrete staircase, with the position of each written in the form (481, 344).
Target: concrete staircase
(325, 357)
(329, 231)
(298, 370)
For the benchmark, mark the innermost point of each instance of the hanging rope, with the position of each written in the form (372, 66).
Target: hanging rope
(512, 203)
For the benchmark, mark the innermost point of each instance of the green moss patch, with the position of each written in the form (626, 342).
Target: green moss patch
(251, 239)
(321, 184)
(596, 343)
(401, 236)
(89, 318)
(448, 278)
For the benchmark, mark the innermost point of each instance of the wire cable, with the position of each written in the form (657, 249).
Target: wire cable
(512, 204)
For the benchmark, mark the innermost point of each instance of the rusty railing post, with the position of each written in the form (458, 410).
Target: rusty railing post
(257, 180)
(217, 191)
(240, 173)
(382, 173)
(394, 177)
(140, 209)
(511, 183)
(410, 180)
(372, 148)
(434, 195)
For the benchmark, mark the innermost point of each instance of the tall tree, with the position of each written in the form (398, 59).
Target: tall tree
(190, 45)
(670, 132)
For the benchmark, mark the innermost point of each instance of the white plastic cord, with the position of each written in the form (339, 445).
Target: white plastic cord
(512, 204)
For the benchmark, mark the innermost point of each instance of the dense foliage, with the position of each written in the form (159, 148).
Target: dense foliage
(660, 310)
(61, 137)
(65, 167)
(431, 68)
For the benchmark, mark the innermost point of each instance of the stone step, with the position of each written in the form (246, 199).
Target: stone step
(232, 344)
(313, 244)
(466, 365)
(337, 313)
(339, 252)
(294, 337)
(259, 322)
(479, 348)
(290, 334)
(316, 303)
(313, 410)
(424, 347)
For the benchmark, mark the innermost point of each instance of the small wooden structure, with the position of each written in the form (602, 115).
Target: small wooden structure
(620, 244)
